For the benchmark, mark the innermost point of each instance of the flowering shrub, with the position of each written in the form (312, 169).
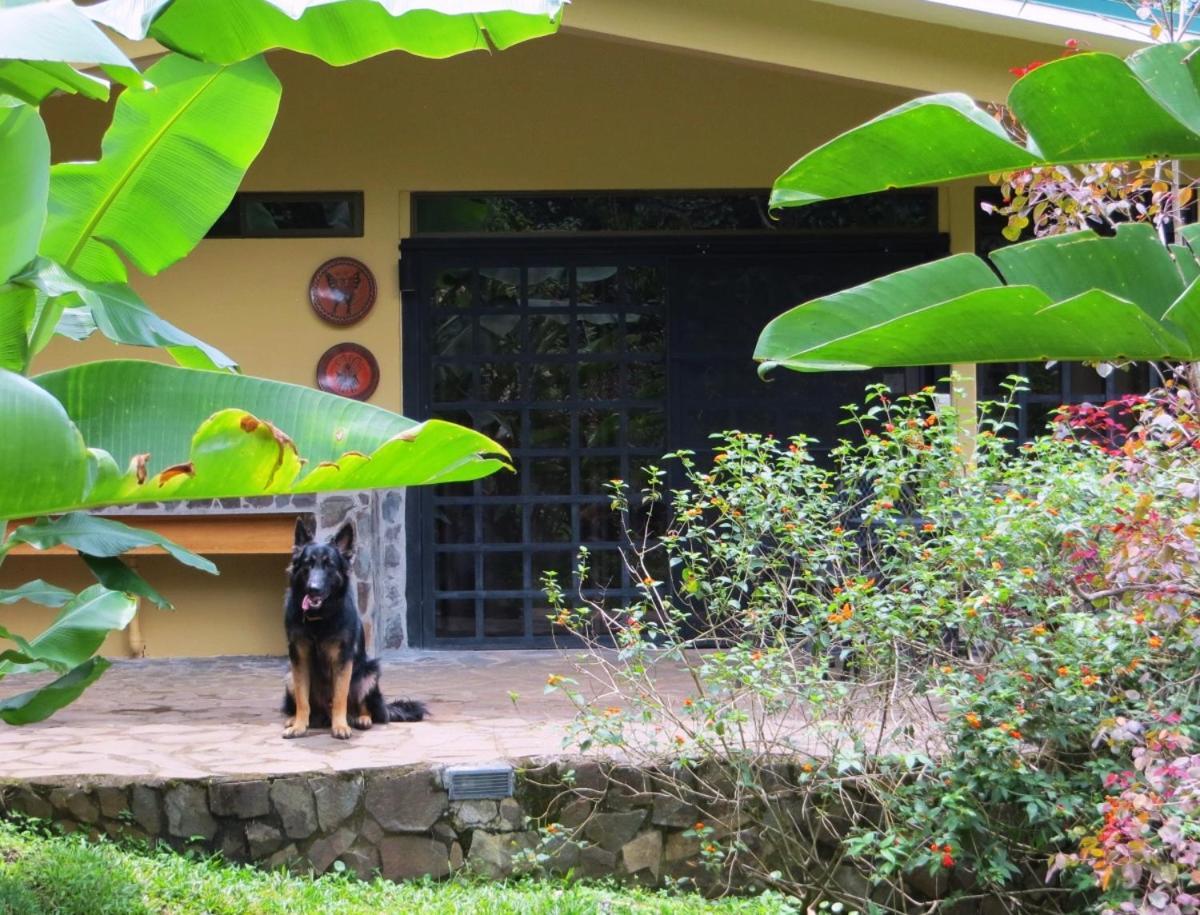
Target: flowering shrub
(911, 670)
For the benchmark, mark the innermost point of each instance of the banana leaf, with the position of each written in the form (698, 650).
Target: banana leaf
(159, 433)
(40, 41)
(1078, 296)
(338, 32)
(170, 163)
(1091, 107)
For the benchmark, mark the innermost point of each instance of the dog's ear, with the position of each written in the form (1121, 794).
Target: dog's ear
(343, 540)
(303, 534)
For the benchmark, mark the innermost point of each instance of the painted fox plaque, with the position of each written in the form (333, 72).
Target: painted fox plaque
(342, 290)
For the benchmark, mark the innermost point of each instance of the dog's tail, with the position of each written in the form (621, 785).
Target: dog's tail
(407, 710)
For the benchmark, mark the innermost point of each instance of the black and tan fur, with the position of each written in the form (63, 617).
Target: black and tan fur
(332, 682)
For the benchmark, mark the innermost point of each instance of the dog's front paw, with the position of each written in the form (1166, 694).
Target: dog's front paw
(294, 730)
(362, 722)
(340, 731)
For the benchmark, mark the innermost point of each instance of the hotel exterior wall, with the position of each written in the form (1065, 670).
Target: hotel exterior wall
(570, 112)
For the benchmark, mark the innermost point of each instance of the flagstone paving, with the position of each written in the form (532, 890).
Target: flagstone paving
(191, 718)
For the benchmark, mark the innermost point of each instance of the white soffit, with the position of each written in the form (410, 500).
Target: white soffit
(1027, 19)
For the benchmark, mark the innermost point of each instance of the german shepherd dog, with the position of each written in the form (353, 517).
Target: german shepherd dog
(332, 682)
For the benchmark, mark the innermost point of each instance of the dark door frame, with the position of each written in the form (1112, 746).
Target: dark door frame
(418, 252)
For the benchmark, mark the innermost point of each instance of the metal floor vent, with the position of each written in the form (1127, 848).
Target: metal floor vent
(475, 783)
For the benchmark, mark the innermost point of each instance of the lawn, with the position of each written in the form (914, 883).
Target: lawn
(44, 873)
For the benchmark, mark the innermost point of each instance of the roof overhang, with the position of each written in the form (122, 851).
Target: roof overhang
(1104, 24)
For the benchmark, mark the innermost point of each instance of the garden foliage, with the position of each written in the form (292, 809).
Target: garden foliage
(919, 674)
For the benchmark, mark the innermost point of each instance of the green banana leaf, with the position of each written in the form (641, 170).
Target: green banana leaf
(38, 43)
(339, 32)
(170, 163)
(101, 537)
(1091, 107)
(39, 704)
(66, 645)
(112, 308)
(38, 592)
(77, 631)
(24, 183)
(167, 435)
(116, 576)
(1078, 296)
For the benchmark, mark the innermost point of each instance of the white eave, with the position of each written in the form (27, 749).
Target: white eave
(1025, 19)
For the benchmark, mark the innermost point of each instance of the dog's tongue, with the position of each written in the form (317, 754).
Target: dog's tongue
(308, 603)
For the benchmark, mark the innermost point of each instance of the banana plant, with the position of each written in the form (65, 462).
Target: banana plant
(1076, 296)
(114, 432)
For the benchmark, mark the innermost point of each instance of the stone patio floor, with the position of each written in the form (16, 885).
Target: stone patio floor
(192, 718)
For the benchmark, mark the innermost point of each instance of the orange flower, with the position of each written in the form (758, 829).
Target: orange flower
(947, 669)
(1154, 642)
(973, 721)
(930, 420)
(554, 680)
(1039, 629)
(927, 527)
(552, 828)
(885, 504)
(612, 710)
(680, 739)
(947, 860)
(1064, 671)
(721, 457)
(687, 703)
(972, 612)
(1015, 734)
(756, 656)
(807, 767)
(789, 526)
(698, 827)
(839, 530)
(997, 565)
(1028, 571)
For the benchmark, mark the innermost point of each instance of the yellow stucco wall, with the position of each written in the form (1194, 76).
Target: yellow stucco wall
(572, 112)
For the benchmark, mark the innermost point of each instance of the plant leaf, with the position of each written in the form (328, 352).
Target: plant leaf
(97, 536)
(115, 575)
(170, 163)
(24, 181)
(78, 630)
(1126, 290)
(1083, 108)
(284, 438)
(38, 592)
(39, 704)
(42, 449)
(118, 313)
(39, 42)
(337, 31)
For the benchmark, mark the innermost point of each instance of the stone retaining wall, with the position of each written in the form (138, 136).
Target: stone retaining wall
(399, 822)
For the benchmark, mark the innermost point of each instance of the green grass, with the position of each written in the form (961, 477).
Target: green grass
(46, 874)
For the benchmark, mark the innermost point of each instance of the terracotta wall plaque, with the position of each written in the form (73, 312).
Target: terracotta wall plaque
(342, 290)
(348, 369)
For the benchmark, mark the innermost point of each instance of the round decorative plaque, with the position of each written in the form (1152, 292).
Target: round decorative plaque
(342, 290)
(348, 369)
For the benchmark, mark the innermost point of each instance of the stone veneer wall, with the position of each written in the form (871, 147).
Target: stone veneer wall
(379, 561)
(398, 822)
